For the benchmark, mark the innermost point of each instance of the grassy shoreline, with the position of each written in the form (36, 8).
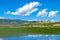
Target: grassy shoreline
(28, 30)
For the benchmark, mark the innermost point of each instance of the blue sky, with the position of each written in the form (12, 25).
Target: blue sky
(30, 9)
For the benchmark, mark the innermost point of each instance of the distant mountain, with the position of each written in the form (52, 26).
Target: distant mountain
(18, 21)
(11, 21)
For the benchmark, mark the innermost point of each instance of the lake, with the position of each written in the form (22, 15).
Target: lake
(33, 37)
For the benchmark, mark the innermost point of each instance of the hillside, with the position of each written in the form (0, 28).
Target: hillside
(20, 23)
(11, 21)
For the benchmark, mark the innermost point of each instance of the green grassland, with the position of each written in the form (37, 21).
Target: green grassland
(29, 28)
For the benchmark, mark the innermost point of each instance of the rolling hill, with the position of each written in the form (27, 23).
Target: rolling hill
(16, 23)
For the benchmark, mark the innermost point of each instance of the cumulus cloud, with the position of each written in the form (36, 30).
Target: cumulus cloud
(26, 10)
(42, 13)
(28, 13)
(49, 14)
(52, 13)
(31, 7)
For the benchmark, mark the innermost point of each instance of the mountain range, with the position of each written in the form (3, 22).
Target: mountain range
(11, 21)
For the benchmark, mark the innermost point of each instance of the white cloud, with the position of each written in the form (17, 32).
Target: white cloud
(52, 13)
(42, 13)
(8, 12)
(53, 20)
(26, 10)
(31, 7)
(2, 18)
(28, 13)
(33, 20)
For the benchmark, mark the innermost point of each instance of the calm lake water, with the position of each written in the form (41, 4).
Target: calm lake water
(33, 37)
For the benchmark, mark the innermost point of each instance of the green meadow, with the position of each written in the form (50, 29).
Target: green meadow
(30, 28)
(25, 31)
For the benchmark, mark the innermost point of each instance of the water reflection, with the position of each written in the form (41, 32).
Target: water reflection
(33, 37)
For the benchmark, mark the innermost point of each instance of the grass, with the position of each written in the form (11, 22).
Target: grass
(28, 30)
